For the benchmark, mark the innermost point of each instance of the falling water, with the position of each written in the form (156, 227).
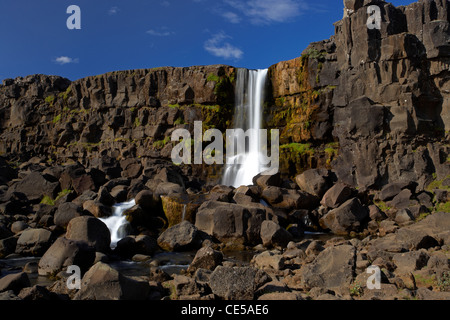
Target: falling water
(249, 101)
(117, 222)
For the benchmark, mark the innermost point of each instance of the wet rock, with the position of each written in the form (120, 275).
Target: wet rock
(146, 200)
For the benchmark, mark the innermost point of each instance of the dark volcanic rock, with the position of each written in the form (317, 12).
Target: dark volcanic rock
(348, 217)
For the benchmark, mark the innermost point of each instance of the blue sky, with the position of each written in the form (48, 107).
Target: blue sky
(133, 34)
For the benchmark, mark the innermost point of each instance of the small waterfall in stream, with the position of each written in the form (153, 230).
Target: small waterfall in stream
(249, 103)
(117, 222)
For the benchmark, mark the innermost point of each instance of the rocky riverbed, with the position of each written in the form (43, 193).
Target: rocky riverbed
(404, 232)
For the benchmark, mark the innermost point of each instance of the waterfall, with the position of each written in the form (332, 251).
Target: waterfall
(117, 222)
(249, 103)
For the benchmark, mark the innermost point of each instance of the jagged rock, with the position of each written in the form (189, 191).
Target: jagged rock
(314, 181)
(206, 258)
(273, 235)
(183, 236)
(97, 209)
(336, 196)
(332, 268)
(237, 283)
(348, 217)
(230, 222)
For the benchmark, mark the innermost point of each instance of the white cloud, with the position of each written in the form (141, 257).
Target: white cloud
(65, 60)
(161, 32)
(269, 11)
(165, 3)
(113, 11)
(231, 17)
(218, 47)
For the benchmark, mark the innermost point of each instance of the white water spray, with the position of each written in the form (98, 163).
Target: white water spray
(117, 222)
(249, 102)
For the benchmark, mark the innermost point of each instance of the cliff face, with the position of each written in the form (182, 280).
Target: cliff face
(383, 95)
(373, 105)
(103, 120)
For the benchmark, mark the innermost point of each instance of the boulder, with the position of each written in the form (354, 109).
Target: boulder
(237, 283)
(133, 245)
(401, 200)
(47, 186)
(229, 222)
(36, 293)
(19, 226)
(389, 191)
(269, 259)
(34, 242)
(273, 235)
(408, 262)
(97, 209)
(66, 212)
(101, 282)
(14, 282)
(91, 230)
(206, 258)
(183, 236)
(64, 253)
(146, 200)
(7, 246)
(336, 195)
(333, 268)
(314, 181)
(105, 197)
(348, 217)
(267, 180)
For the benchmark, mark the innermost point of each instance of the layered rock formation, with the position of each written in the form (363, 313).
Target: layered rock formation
(382, 94)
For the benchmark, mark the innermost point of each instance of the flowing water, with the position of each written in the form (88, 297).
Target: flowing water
(249, 102)
(117, 222)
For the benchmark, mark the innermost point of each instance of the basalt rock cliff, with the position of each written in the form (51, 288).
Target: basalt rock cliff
(370, 104)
